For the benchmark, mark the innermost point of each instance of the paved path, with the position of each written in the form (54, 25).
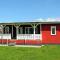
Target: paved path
(29, 45)
(23, 45)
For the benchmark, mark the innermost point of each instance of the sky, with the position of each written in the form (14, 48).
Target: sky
(28, 10)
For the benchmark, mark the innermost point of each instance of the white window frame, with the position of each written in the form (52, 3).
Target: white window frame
(51, 30)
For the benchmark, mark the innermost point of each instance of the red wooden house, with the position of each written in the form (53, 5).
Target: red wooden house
(30, 33)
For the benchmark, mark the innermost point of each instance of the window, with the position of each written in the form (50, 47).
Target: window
(37, 30)
(20, 30)
(53, 30)
(28, 30)
(1, 30)
(7, 30)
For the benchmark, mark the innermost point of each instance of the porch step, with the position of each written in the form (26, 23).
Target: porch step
(12, 44)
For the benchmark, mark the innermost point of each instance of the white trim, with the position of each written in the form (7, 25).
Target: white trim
(41, 31)
(12, 30)
(17, 31)
(51, 30)
(34, 31)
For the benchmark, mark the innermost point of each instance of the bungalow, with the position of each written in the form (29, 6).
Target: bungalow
(30, 33)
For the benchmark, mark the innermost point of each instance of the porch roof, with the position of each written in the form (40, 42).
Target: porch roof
(18, 23)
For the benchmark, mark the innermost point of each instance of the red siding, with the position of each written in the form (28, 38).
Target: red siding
(46, 34)
(20, 42)
(28, 42)
(37, 42)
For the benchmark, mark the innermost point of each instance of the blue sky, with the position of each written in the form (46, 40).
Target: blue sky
(28, 10)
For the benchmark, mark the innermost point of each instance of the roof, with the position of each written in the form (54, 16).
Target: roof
(26, 23)
(37, 21)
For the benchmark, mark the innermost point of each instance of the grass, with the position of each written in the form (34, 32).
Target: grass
(48, 52)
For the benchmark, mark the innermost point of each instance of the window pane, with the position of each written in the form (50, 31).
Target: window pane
(1, 30)
(20, 30)
(30, 30)
(37, 30)
(6, 30)
(26, 31)
(53, 30)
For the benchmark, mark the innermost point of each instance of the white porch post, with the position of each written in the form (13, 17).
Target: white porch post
(2, 28)
(17, 31)
(40, 32)
(40, 28)
(34, 32)
(2, 32)
(12, 30)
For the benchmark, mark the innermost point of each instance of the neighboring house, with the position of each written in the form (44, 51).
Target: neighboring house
(30, 32)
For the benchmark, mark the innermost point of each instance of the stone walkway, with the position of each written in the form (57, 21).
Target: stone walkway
(23, 45)
(28, 45)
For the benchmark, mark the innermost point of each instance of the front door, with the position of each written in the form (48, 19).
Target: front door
(13, 34)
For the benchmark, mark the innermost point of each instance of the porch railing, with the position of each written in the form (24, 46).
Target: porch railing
(29, 36)
(22, 36)
(5, 36)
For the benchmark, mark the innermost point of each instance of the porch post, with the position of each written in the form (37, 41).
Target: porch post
(2, 28)
(40, 28)
(17, 31)
(2, 33)
(12, 30)
(40, 32)
(34, 32)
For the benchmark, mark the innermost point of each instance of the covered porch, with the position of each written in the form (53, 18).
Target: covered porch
(21, 31)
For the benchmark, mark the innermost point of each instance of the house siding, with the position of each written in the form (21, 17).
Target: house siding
(47, 38)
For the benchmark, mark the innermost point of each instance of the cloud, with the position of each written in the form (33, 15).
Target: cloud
(48, 20)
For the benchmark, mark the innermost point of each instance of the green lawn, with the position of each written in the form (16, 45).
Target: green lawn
(50, 52)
